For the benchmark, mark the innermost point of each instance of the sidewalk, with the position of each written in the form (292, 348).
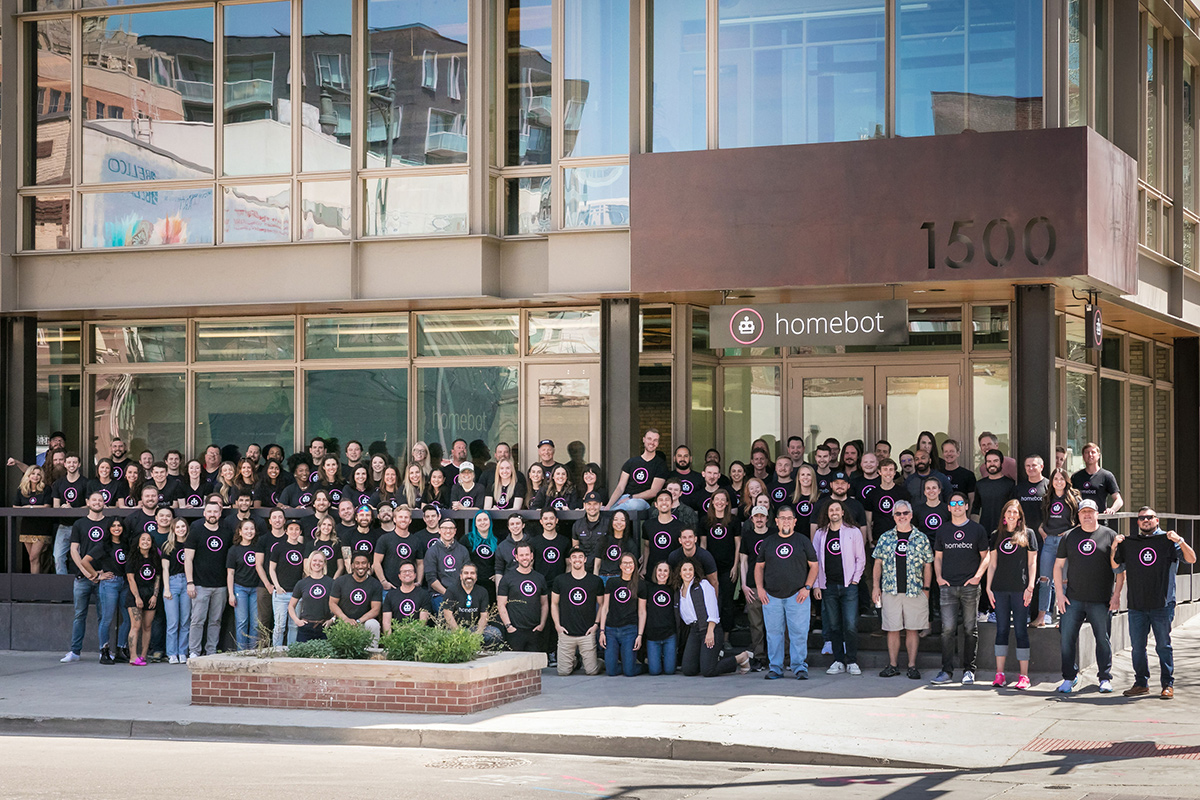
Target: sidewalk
(833, 720)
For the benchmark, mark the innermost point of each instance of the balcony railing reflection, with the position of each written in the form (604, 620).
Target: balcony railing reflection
(446, 143)
(258, 91)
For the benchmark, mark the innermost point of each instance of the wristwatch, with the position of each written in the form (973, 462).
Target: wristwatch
(807, 588)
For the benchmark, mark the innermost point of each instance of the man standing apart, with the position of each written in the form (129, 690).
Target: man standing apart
(574, 604)
(784, 574)
(1097, 484)
(903, 568)
(960, 559)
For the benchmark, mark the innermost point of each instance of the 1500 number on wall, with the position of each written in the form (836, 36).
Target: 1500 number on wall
(998, 241)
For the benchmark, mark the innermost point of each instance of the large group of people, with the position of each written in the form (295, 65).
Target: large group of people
(650, 576)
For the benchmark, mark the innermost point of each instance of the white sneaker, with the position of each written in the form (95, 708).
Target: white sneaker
(1047, 620)
(1105, 687)
(968, 678)
(827, 649)
(836, 668)
(172, 659)
(69, 658)
(853, 669)
(981, 617)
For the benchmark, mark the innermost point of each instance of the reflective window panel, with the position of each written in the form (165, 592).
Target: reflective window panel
(529, 209)
(990, 389)
(655, 324)
(356, 337)
(325, 211)
(654, 399)
(49, 103)
(148, 96)
(679, 96)
(596, 197)
(564, 332)
(467, 402)
(256, 100)
(48, 217)
(243, 407)
(752, 407)
(703, 420)
(58, 400)
(796, 73)
(258, 213)
(255, 340)
(968, 66)
(477, 334)
(326, 86)
(135, 344)
(989, 327)
(416, 94)
(595, 77)
(370, 405)
(145, 411)
(58, 343)
(416, 205)
(1080, 387)
(528, 59)
(150, 218)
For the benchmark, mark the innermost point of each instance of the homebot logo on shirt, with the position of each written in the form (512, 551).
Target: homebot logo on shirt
(151, 526)
(214, 543)
(577, 596)
(866, 491)
(686, 486)
(70, 494)
(448, 562)
(403, 550)
(661, 599)
(779, 494)
(179, 559)
(1008, 546)
(835, 547)
(194, 501)
(559, 504)
(885, 504)
(528, 588)
(784, 550)
(358, 597)
(326, 551)
(621, 595)
(363, 546)
(902, 547)
(1147, 557)
(614, 552)
(95, 533)
(119, 556)
(250, 558)
(484, 551)
(316, 591)
(147, 572)
(407, 607)
(107, 495)
(717, 532)
(294, 558)
(466, 501)
(551, 555)
(1057, 507)
(933, 521)
(641, 475)
(1087, 547)
(958, 536)
(305, 498)
(804, 508)
(662, 540)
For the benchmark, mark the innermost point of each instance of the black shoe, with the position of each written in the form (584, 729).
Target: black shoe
(156, 658)
(105, 657)
(914, 673)
(890, 671)
(552, 660)
(122, 656)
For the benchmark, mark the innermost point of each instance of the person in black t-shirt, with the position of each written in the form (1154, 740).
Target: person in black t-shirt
(961, 479)
(661, 632)
(286, 570)
(622, 619)
(784, 575)
(523, 603)
(357, 597)
(241, 567)
(85, 532)
(1012, 572)
(960, 561)
(309, 606)
(575, 606)
(691, 483)
(1097, 484)
(144, 575)
(204, 565)
(1031, 491)
(642, 477)
(1085, 555)
(661, 532)
(992, 491)
(407, 601)
(466, 604)
(1149, 558)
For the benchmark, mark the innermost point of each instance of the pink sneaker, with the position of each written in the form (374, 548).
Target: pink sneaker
(137, 662)
(998, 680)
(1023, 682)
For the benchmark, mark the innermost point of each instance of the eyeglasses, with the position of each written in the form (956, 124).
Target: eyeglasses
(954, 503)
(1150, 518)
(901, 513)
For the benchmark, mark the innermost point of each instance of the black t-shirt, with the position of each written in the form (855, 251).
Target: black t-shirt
(242, 559)
(708, 564)
(465, 607)
(1031, 496)
(107, 556)
(1058, 518)
(404, 606)
(483, 556)
(961, 480)
(642, 474)
(550, 556)
(332, 553)
(176, 558)
(232, 522)
(853, 512)
(823, 481)
(1148, 573)
(962, 550)
(1012, 561)
(270, 494)
(1089, 571)
(118, 468)
(112, 492)
(931, 519)
(691, 488)
(902, 538)
(663, 539)
(295, 497)
(622, 602)
(785, 560)
(72, 494)
(468, 499)
(192, 497)
(208, 559)
(880, 502)
(660, 613)
(334, 492)
(289, 563)
(721, 542)
(835, 572)
(85, 533)
(361, 497)
(780, 492)
(1096, 487)
(577, 599)
(396, 550)
(145, 571)
(314, 598)
(167, 493)
(806, 510)
(990, 496)
(355, 598)
(524, 593)
(361, 541)
(138, 522)
(752, 544)
(609, 551)
(266, 545)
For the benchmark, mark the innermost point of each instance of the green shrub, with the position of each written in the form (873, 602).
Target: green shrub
(347, 640)
(416, 641)
(314, 648)
(405, 641)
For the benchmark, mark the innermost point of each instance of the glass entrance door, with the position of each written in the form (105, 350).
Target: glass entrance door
(564, 405)
(915, 399)
(825, 403)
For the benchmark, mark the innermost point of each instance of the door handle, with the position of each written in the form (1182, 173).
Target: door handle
(866, 422)
(879, 431)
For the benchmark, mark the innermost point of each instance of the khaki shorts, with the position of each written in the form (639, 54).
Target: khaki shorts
(904, 613)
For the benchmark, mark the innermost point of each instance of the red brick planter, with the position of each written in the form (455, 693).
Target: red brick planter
(402, 686)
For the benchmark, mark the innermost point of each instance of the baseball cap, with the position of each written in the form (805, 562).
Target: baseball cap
(1088, 504)
(467, 466)
(838, 476)
(760, 510)
(592, 497)
(546, 441)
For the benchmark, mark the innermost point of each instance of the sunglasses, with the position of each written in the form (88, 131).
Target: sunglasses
(953, 503)
(1145, 518)
(901, 513)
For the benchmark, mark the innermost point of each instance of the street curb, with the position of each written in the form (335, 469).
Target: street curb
(440, 739)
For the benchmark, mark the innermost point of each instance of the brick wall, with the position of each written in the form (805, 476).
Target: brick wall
(220, 688)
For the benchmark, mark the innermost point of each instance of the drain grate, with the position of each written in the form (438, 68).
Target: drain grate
(1113, 749)
(479, 762)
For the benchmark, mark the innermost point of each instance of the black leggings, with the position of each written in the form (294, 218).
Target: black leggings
(700, 660)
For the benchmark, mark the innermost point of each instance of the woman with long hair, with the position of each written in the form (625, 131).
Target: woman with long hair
(721, 536)
(437, 493)
(241, 570)
(593, 481)
(805, 497)
(388, 491)
(309, 606)
(326, 541)
(106, 559)
(613, 545)
(505, 495)
(193, 487)
(1011, 574)
(298, 493)
(330, 478)
(928, 442)
(419, 455)
(755, 493)
(1060, 513)
(176, 604)
(271, 484)
(111, 489)
(737, 482)
(246, 481)
(35, 531)
(534, 478)
(143, 572)
(623, 619)
(558, 493)
(482, 544)
(698, 618)
(414, 486)
(134, 480)
(223, 485)
(359, 488)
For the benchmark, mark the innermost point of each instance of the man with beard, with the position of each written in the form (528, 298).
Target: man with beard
(690, 481)
(992, 491)
(922, 469)
(357, 598)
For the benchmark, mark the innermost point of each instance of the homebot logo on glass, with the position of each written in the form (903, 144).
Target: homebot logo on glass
(746, 326)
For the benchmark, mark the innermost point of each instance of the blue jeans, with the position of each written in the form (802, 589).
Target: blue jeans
(839, 617)
(1140, 625)
(956, 601)
(784, 613)
(1069, 625)
(283, 620)
(245, 613)
(85, 593)
(660, 656)
(178, 611)
(1046, 557)
(1011, 609)
(630, 503)
(618, 650)
(123, 627)
(62, 549)
(110, 599)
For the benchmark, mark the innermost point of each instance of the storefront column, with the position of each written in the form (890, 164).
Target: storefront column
(619, 339)
(1035, 332)
(1187, 426)
(18, 398)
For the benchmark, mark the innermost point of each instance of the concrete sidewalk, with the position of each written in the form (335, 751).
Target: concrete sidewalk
(834, 720)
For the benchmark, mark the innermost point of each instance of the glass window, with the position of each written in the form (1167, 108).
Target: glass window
(243, 407)
(528, 59)
(416, 102)
(679, 95)
(700, 340)
(1080, 388)
(752, 408)
(138, 344)
(1139, 358)
(145, 411)
(249, 340)
(258, 213)
(58, 343)
(478, 334)
(929, 329)
(49, 220)
(468, 403)
(326, 87)
(529, 209)
(1137, 493)
(1077, 52)
(154, 218)
(654, 400)
(595, 77)
(989, 327)
(49, 99)
(798, 73)
(1162, 363)
(1110, 354)
(416, 205)
(1100, 67)
(257, 102)
(655, 324)
(1150, 162)
(58, 398)
(703, 434)
(325, 206)
(596, 197)
(1189, 137)
(968, 66)
(356, 337)
(148, 96)
(564, 332)
(370, 405)
(1163, 414)
(1077, 341)
(1112, 426)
